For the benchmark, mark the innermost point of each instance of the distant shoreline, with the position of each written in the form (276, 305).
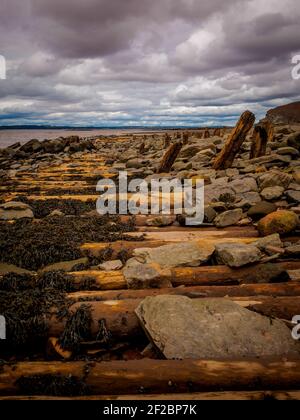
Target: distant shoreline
(12, 135)
(146, 128)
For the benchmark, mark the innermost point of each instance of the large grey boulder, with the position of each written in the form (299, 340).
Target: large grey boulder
(183, 328)
(261, 210)
(287, 151)
(186, 254)
(237, 255)
(271, 240)
(32, 146)
(274, 179)
(293, 196)
(294, 140)
(272, 193)
(214, 193)
(243, 185)
(228, 218)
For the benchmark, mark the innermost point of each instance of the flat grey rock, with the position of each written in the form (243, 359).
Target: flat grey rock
(244, 185)
(14, 210)
(111, 265)
(187, 254)
(237, 255)
(146, 276)
(183, 328)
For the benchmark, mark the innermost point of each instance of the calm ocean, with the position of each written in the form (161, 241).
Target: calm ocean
(9, 137)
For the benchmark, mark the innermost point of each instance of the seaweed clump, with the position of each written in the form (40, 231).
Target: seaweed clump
(36, 244)
(43, 208)
(27, 308)
(12, 282)
(77, 328)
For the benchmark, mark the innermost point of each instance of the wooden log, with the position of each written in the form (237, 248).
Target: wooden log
(222, 275)
(294, 275)
(197, 396)
(99, 280)
(186, 276)
(278, 290)
(119, 315)
(159, 376)
(283, 308)
(187, 235)
(122, 322)
(226, 157)
(170, 157)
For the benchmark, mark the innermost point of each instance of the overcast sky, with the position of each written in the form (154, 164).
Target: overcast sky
(146, 62)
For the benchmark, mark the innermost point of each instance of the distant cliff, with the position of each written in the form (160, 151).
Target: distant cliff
(286, 114)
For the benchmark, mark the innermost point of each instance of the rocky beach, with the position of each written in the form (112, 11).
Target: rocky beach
(87, 297)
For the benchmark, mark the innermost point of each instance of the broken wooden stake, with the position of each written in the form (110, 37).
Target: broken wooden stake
(263, 133)
(217, 132)
(142, 148)
(226, 157)
(170, 157)
(167, 140)
(185, 137)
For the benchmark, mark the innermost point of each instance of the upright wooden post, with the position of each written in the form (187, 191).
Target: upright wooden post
(263, 133)
(167, 140)
(169, 157)
(142, 148)
(185, 137)
(206, 134)
(226, 157)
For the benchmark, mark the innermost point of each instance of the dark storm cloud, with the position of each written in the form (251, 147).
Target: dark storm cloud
(169, 62)
(76, 28)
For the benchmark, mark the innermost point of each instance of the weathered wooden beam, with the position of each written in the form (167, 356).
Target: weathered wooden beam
(99, 280)
(218, 275)
(157, 376)
(250, 290)
(226, 157)
(197, 396)
(169, 157)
